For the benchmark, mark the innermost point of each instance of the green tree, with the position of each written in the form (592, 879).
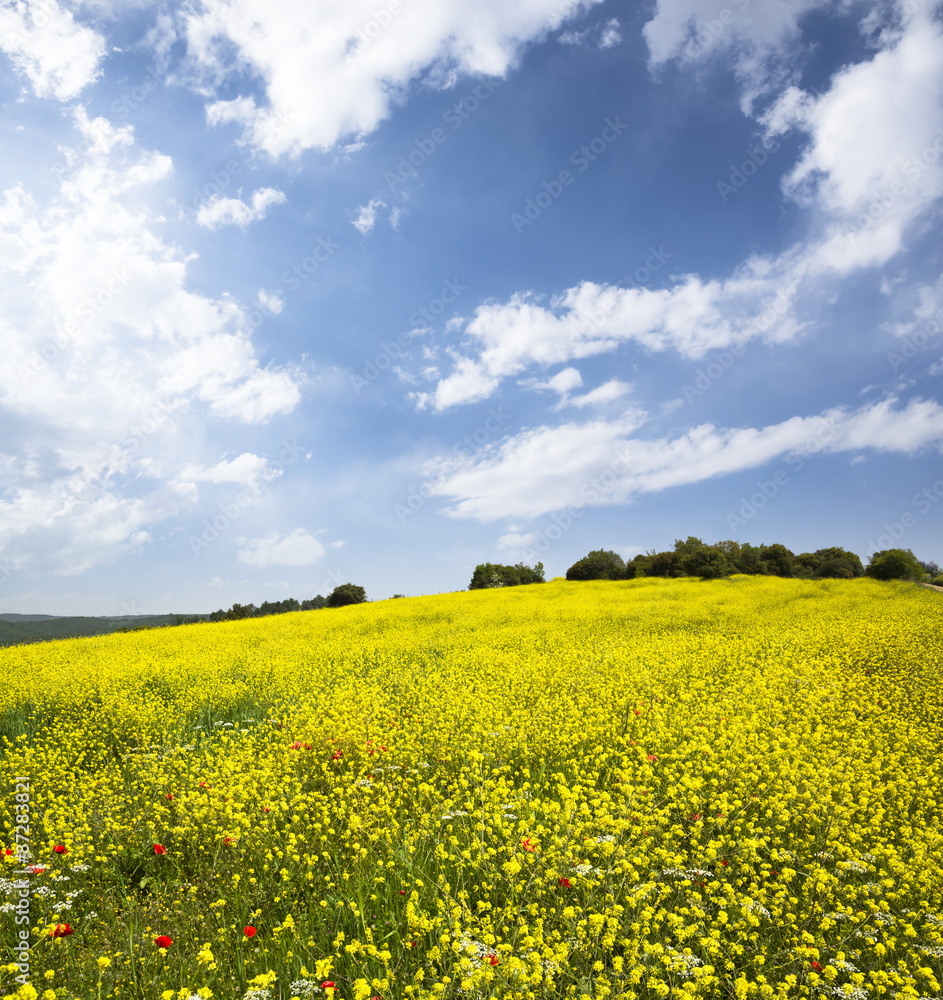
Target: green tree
(779, 560)
(838, 564)
(346, 593)
(600, 564)
(708, 562)
(895, 564)
(314, 603)
(488, 575)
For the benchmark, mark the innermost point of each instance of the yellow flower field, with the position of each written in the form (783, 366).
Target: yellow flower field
(638, 789)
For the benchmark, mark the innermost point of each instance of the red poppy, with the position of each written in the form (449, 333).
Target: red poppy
(170, 796)
(337, 755)
(492, 959)
(695, 817)
(7, 851)
(653, 757)
(724, 863)
(816, 966)
(249, 932)
(265, 809)
(412, 944)
(328, 985)
(227, 840)
(163, 941)
(527, 845)
(36, 869)
(59, 849)
(61, 930)
(402, 892)
(160, 849)
(565, 883)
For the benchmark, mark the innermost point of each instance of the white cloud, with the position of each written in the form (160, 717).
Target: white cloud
(611, 35)
(691, 318)
(367, 216)
(759, 37)
(330, 71)
(300, 548)
(247, 468)
(271, 301)
(515, 542)
(43, 42)
(607, 35)
(874, 160)
(601, 463)
(565, 381)
(608, 392)
(112, 366)
(872, 170)
(220, 211)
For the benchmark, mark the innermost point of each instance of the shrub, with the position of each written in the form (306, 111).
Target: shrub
(895, 564)
(346, 593)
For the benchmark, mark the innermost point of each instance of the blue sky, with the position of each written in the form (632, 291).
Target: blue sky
(299, 294)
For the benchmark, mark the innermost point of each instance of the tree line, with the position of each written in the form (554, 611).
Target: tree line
(339, 597)
(693, 557)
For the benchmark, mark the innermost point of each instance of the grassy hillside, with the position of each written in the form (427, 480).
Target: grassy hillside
(15, 629)
(639, 790)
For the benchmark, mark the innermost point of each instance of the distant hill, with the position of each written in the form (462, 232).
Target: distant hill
(16, 629)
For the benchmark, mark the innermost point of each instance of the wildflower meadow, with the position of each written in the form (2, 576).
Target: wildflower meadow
(641, 789)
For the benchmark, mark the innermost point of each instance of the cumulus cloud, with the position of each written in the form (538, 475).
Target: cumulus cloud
(603, 462)
(870, 172)
(332, 71)
(111, 362)
(45, 44)
(220, 211)
(300, 548)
